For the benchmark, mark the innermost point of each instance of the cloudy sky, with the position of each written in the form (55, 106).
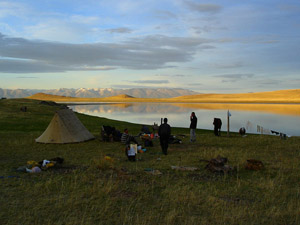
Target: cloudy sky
(221, 46)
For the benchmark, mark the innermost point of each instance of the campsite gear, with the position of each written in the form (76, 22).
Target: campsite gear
(174, 140)
(147, 140)
(23, 109)
(133, 149)
(58, 160)
(65, 127)
(148, 143)
(32, 163)
(184, 168)
(218, 165)
(45, 162)
(155, 128)
(110, 134)
(217, 126)
(22, 169)
(108, 158)
(282, 136)
(145, 129)
(253, 164)
(51, 164)
(242, 131)
(152, 171)
(34, 170)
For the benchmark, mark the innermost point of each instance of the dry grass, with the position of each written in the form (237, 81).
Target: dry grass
(88, 189)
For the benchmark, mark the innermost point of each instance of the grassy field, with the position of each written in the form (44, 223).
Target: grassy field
(87, 189)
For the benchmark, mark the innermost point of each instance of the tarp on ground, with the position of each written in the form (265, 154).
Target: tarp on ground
(65, 127)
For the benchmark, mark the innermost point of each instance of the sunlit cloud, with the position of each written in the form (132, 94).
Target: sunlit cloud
(151, 81)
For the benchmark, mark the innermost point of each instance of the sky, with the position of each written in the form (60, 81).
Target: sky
(218, 46)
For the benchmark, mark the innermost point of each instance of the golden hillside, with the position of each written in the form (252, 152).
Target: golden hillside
(282, 96)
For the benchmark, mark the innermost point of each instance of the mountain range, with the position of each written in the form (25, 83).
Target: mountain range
(99, 92)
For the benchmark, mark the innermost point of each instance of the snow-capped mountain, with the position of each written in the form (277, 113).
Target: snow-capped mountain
(99, 92)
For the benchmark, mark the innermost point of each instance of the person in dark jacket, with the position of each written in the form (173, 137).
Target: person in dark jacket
(193, 126)
(164, 132)
(217, 126)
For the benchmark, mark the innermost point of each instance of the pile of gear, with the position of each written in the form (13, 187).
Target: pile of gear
(218, 165)
(37, 167)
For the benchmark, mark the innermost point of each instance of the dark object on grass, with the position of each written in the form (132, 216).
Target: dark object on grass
(155, 128)
(145, 129)
(217, 126)
(110, 134)
(253, 164)
(218, 165)
(23, 109)
(148, 143)
(174, 140)
(282, 136)
(58, 160)
(242, 131)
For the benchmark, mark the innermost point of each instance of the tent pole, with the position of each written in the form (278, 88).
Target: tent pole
(228, 123)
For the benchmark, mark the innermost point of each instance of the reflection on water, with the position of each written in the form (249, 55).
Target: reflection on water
(279, 117)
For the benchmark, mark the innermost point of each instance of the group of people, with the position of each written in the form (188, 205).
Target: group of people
(164, 132)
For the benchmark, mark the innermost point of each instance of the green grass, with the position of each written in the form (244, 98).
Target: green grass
(88, 189)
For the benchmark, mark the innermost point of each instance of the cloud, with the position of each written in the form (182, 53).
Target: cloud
(27, 77)
(195, 84)
(229, 65)
(150, 52)
(234, 77)
(57, 30)
(171, 75)
(268, 82)
(8, 8)
(126, 86)
(203, 8)
(164, 14)
(151, 81)
(120, 30)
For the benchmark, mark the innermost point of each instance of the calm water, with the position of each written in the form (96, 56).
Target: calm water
(284, 118)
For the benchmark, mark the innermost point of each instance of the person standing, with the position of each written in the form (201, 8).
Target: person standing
(193, 126)
(164, 132)
(124, 136)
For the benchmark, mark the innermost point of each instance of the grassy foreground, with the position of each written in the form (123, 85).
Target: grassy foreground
(88, 189)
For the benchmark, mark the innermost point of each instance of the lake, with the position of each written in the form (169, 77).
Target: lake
(284, 118)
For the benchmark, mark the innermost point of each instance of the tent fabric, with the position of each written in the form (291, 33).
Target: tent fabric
(65, 127)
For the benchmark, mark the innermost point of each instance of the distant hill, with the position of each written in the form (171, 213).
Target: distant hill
(284, 96)
(99, 92)
(281, 96)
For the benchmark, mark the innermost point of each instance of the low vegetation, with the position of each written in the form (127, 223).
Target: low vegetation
(90, 188)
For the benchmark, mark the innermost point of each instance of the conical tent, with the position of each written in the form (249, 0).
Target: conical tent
(65, 127)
